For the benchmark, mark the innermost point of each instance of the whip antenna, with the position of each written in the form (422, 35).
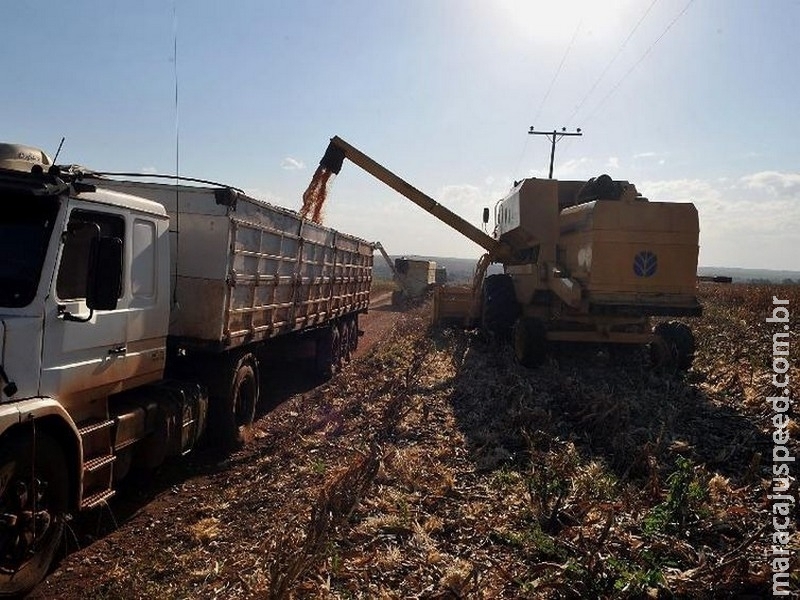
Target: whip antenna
(177, 150)
(61, 143)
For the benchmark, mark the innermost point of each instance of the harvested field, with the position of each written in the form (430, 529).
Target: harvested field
(435, 467)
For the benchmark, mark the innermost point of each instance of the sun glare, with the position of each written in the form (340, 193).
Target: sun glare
(556, 21)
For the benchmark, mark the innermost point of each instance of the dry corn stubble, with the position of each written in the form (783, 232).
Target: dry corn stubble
(585, 478)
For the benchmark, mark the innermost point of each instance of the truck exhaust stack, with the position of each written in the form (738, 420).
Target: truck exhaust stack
(315, 195)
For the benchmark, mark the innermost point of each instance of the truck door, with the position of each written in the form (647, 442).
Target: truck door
(148, 307)
(83, 362)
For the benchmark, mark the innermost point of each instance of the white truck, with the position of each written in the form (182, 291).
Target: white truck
(132, 315)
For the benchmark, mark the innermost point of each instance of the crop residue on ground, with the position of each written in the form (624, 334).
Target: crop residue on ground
(435, 467)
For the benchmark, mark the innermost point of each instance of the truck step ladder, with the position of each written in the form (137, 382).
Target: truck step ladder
(98, 461)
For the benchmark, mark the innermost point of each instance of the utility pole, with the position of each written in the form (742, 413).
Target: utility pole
(554, 136)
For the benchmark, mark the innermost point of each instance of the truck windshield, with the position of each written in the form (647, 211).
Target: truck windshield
(26, 223)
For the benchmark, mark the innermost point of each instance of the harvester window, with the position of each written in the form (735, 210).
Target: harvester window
(73, 271)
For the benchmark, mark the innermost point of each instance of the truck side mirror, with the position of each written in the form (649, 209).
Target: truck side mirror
(105, 273)
(485, 215)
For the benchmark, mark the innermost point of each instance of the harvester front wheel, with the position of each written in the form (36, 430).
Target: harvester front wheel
(530, 342)
(500, 308)
(674, 346)
(397, 298)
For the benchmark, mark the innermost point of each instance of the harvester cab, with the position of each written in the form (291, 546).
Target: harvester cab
(584, 261)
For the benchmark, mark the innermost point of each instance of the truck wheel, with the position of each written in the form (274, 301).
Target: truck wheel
(328, 356)
(673, 348)
(530, 342)
(34, 492)
(500, 308)
(337, 348)
(236, 411)
(354, 334)
(347, 340)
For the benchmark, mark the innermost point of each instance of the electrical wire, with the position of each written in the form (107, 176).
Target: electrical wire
(558, 72)
(549, 90)
(617, 85)
(611, 62)
(637, 63)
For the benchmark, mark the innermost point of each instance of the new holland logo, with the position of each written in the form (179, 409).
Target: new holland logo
(645, 264)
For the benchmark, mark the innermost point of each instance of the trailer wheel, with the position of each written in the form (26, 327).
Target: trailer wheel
(34, 492)
(329, 352)
(673, 348)
(337, 348)
(530, 342)
(500, 308)
(354, 333)
(346, 333)
(235, 412)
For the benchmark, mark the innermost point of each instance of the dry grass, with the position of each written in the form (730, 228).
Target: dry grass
(437, 468)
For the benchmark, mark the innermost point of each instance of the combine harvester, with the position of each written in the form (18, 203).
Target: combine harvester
(414, 277)
(584, 261)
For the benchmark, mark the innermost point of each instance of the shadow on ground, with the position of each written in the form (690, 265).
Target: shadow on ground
(143, 488)
(618, 411)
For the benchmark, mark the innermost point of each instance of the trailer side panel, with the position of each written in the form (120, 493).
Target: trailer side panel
(245, 271)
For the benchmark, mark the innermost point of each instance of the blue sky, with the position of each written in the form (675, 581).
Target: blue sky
(441, 92)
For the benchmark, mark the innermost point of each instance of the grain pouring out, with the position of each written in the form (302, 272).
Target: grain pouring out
(317, 191)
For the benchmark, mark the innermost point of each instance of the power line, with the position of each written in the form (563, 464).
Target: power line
(638, 62)
(558, 71)
(612, 61)
(550, 88)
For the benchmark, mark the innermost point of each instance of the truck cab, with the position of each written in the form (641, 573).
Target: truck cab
(84, 310)
(133, 313)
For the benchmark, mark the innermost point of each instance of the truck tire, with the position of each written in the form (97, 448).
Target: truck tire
(530, 342)
(337, 348)
(32, 474)
(329, 352)
(500, 309)
(354, 332)
(348, 332)
(673, 349)
(235, 412)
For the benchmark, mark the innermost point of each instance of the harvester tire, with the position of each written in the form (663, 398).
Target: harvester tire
(673, 350)
(530, 342)
(397, 298)
(500, 308)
